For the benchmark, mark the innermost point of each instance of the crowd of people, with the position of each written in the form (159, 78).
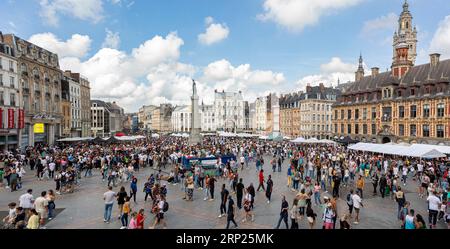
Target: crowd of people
(318, 176)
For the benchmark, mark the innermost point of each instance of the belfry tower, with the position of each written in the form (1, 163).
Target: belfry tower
(405, 38)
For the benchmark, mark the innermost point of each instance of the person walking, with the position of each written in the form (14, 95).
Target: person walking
(41, 206)
(212, 181)
(311, 216)
(126, 210)
(223, 201)
(383, 184)
(239, 193)
(433, 208)
(133, 189)
(357, 205)
(108, 197)
(230, 213)
(121, 199)
(375, 179)
(294, 215)
(283, 213)
(261, 180)
(401, 200)
(251, 191)
(360, 185)
(269, 189)
(51, 204)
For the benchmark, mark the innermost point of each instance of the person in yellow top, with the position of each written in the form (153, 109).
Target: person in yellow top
(126, 209)
(360, 185)
(33, 221)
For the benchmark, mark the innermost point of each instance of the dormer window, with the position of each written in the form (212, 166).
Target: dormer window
(427, 90)
(413, 92)
(387, 93)
(399, 93)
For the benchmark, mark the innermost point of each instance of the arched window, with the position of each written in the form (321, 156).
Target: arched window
(35, 72)
(23, 68)
(407, 25)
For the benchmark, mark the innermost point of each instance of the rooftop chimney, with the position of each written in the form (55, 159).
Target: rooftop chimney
(434, 59)
(375, 71)
(308, 88)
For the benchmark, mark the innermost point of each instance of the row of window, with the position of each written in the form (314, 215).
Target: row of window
(11, 81)
(440, 130)
(425, 111)
(11, 65)
(440, 112)
(12, 99)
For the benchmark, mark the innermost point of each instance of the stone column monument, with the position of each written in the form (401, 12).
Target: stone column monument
(195, 137)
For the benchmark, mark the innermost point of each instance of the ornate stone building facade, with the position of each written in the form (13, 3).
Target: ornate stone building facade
(11, 113)
(407, 104)
(229, 111)
(308, 114)
(40, 83)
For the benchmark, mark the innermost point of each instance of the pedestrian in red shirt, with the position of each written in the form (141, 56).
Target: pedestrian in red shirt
(261, 180)
(140, 219)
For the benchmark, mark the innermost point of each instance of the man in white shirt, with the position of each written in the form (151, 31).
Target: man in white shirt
(433, 209)
(109, 197)
(26, 200)
(41, 206)
(51, 169)
(357, 204)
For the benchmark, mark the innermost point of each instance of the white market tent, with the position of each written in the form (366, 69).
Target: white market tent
(264, 137)
(298, 140)
(312, 141)
(75, 139)
(227, 134)
(130, 138)
(399, 150)
(327, 141)
(440, 148)
(155, 135)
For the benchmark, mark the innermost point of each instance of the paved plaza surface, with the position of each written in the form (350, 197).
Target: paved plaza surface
(84, 208)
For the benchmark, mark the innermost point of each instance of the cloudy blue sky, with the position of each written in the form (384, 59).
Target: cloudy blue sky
(145, 52)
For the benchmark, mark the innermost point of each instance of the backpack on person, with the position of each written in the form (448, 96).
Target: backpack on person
(166, 207)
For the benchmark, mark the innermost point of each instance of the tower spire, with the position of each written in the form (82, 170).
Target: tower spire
(359, 74)
(405, 6)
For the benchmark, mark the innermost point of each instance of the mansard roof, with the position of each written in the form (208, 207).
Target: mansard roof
(417, 75)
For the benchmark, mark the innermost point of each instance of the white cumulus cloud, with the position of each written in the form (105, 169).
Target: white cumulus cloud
(215, 32)
(330, 73)
(112, 40)
(87, 10)
(77, 46)
(153, 74)
(295, 15)
(441, 39)
(383, 23)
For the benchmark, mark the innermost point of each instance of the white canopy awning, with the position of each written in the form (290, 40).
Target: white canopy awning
(298, 140)
(411, 151)
(75, 139)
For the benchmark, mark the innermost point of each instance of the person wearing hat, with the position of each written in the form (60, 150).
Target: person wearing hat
(328, 216)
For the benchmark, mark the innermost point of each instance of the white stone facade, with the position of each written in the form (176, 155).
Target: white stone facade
(229, 111)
